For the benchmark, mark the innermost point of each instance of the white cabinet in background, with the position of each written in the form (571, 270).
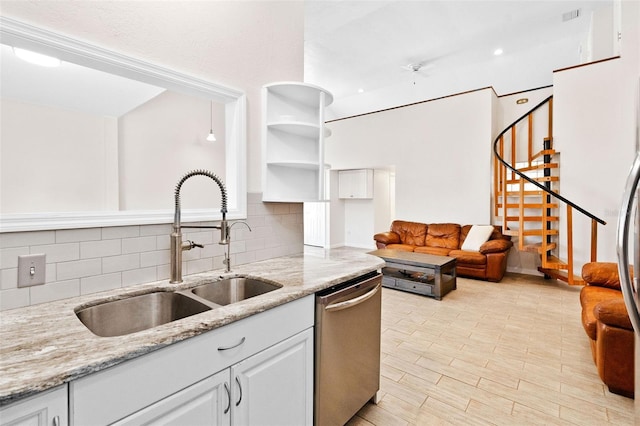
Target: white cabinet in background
(355, 184)
(193, 381)
(293, 135)
(45, 409)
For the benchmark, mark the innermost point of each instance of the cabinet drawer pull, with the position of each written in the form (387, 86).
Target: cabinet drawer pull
(240, 389)
(226, 387)
(56, 421)
(226, 348)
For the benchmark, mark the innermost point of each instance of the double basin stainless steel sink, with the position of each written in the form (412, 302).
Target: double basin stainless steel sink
(145, 311)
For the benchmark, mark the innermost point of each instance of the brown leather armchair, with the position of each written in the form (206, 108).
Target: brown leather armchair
(606, 322)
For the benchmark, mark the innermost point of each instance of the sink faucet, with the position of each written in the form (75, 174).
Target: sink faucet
(177, 245)
(227, 254)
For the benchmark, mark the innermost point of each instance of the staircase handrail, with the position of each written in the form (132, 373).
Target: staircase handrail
(530, 180)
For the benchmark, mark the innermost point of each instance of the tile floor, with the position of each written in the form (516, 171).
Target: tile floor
(508, 353)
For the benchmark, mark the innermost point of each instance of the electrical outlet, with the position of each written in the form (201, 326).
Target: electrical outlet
(31, 270)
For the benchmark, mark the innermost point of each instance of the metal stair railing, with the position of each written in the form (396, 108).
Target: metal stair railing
(500, 179)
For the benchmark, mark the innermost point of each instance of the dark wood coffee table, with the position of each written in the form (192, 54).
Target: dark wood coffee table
(425, 274)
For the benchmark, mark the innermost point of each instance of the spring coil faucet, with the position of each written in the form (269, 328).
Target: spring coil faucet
(177, 245)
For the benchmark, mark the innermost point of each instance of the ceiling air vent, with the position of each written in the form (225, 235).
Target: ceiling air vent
(573, 14)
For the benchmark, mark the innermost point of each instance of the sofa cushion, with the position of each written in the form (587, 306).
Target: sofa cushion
(495, 246)
(478, 235)
(444, 235)
(469, 257)
(438, 251)
(401, 247)
(411, 233)
(602, 274)
(590, 296)
(614, 313)
(387, 238)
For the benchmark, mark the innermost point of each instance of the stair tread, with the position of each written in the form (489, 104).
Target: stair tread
(537, 248)
(540, 166)
(530, 218)
(543, 153)
(537, 179)
(530, 205)
(561, 275)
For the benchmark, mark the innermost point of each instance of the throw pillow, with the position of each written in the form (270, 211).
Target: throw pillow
(478, 235)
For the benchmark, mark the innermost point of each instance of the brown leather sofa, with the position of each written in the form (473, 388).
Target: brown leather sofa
(607, 323)
(446, 239)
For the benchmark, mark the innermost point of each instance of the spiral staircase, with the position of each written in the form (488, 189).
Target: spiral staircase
(527, 201)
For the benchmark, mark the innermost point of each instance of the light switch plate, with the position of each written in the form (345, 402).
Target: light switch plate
(31, 270)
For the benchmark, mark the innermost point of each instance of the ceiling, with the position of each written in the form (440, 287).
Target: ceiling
(363, 45)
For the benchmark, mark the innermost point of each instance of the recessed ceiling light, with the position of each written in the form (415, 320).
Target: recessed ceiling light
(361, 90)
(498, 52)
(36, 58)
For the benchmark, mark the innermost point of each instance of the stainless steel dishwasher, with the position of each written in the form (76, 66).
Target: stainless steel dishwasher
(347, 338)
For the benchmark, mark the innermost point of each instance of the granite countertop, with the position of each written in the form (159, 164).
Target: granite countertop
(45, 345)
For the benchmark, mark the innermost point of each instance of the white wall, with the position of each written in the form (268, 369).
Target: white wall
(336, 220)
(35, 173)
(595, 119)
(239, 44)
(162, 140)
(242, 44)
(366, 217)
(441, 151)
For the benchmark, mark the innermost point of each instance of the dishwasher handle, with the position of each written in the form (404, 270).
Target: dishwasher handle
(352, 302)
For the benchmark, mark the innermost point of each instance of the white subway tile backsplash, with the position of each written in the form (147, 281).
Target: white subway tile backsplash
(254, 244)
(120, 263)
(8, 278)
(14, 298)
(55, 291)
(138, 245)
(213, 250)
(58, 252)
(200, 265)
(155, 258)
(78, 269)
(163, 242)
(201, 237)
(86, 261)
(241, 258)
(163, 272)
(9, 256)
(296, 208)
(120, 232)
(139, 276)
(95, 284)
(164, 229)
(76, 235)
(91, 249)
(20, 239)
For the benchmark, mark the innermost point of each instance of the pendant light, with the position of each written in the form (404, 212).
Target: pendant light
(211, 137)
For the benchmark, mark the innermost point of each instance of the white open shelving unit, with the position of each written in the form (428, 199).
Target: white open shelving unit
(293, 141)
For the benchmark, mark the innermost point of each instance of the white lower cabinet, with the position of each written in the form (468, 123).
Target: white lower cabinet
(205, 403)
(256, 371)
(45, 409)
(273, 387)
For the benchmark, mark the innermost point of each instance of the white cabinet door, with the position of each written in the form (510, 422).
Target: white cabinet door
(275, 386)
(207, 402)
(355, 184)
(46, 409)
